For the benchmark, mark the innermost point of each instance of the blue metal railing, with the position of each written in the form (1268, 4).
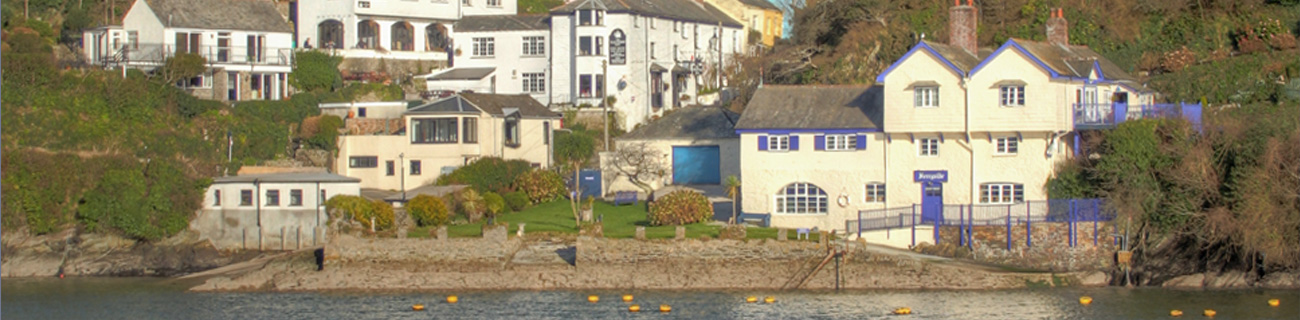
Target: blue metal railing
(1107, 115)
(966, 216)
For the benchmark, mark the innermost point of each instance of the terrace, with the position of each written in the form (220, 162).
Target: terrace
(1093, 116)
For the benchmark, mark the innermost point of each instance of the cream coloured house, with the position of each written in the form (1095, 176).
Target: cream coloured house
(694, 145)
(437, 137)
(945, 124)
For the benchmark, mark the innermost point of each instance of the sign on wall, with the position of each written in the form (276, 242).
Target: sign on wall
(930, 176)
(617, 47)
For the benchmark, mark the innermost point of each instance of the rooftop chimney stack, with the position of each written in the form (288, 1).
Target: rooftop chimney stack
(962, 21)
(1058, 30)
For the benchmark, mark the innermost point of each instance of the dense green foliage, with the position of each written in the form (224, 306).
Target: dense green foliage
(680, 207)
(428, 210)
(494, 204)
(182, 66)
(361, 210)
(538, 6)
(516, 200)
(487, 174)
(316, 71)
(540, 185)
(574, 148)
(471, 204)
(142, 208)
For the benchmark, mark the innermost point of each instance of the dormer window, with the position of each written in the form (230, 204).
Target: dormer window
(927, 97)
(512, 130)
(591, 17)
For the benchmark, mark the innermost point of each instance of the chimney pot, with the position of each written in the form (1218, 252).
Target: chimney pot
(1058, 29)
(962, 24)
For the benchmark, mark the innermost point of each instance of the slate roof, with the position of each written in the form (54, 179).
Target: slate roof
(1073, 61)
(503, 23)
(494, 104)
(761, 4)
(249, 15)
(697, 123)
(683, 10)
(814, 107)
(286, 178)
(463, 74)
(959, 57)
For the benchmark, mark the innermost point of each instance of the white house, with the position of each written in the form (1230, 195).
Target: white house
(696, 145)
(505, 54)
(650, 55)
(388, 29)
(247, 45)
(273, 211)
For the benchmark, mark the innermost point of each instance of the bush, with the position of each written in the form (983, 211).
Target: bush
(315, 71)
(361, 210)
(679, 208)
(494, 203)
(517, 201)
(488, 174)
(471, 204)
(540, 185)
(321, 132)
(428, 210)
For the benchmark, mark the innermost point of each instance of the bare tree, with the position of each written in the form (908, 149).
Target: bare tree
(639, 163)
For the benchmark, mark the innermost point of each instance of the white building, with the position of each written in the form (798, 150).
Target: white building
(247, 44)
(651, 55)
(505, 54)
(270, 211)
(388, 29)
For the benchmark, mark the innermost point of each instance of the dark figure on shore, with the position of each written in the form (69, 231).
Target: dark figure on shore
(320, 258)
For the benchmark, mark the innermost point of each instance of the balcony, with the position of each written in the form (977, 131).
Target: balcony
(1092, 116)
(156, 54)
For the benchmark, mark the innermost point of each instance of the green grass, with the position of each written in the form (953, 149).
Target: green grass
(619, 222)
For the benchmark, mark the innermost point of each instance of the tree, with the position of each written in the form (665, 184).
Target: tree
(733, 190)
(315, 71)
(639, 163)
(574, 150)
(183, 66)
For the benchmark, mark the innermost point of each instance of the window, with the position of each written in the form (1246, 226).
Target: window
(1013, 96)
(875, 192)
(391, 168)
(433, 130)
(584, 86)
(272, 198)
(295, 198)
(494, 3)
(652, 22)
(216, 198)
(415, 167)
(1002, 193)
(929, 147)
(201, 81)
(676, 26)
(245, 197)
(652, 50)
(927, 97)
(591, 85)
(133, 39)
(188, 42)
(801, 198)
(534, 46)
(466, 3)
(471, 130)
(363, 4)
(512, 131)
(636, 23)
(363, 162)
(591, 17)
(534, 82)
(590, 46)
(361, 112)
(321, 202)
(484, 47)
(546, 132)
(1008, 145)
(778, 143)
(840, 142)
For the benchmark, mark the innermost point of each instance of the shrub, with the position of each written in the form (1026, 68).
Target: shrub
(321, 132)
(471, 204)
(183, 66)
(494, 203)
(315, 71)
(540, 185)
(361, 210)
(428, 210)
(487, 174)
(517, 200)
(680, 207)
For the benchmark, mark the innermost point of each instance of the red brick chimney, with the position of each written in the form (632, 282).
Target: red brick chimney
(962, 19)
(1058, 30)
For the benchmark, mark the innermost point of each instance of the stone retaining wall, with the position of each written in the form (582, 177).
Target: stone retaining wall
(1050, 248)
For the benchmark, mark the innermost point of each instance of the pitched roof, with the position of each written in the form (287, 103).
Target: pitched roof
(494, 104)
(814, 107)
(684, 10)
(689, 123)
(463, 74)
(286, 178)
(958, 59)
(761, 4)
(249, 15)
(503, 23)
(1072, 61)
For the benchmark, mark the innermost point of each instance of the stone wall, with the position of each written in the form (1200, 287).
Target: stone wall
(1050, 248)
(363, 126)
(278, 230)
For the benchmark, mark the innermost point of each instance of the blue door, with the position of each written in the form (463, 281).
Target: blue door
(931, 201)
(696, 165)
(589, 183)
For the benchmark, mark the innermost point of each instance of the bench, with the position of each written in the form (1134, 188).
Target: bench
(624, 197)
(762, 220)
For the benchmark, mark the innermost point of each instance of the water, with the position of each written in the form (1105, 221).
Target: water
(160, 299)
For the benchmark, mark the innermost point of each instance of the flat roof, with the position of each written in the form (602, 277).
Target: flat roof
(286, 178)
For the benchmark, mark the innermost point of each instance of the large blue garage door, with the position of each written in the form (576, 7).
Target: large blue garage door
(696, 165)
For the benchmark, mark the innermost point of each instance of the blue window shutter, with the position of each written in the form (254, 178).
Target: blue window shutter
(862, 142)
(819, 143)
(762, 143)
(794, 142)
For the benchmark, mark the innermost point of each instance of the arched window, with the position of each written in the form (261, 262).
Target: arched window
(367, 34)
(801, 198)
(330, 34)
(435, 37)
(403, 37)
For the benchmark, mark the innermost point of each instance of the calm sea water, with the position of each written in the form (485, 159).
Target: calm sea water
(160, 299)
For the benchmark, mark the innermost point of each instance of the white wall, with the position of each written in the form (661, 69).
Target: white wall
(481, 7)
(728, 158)
(508, 59)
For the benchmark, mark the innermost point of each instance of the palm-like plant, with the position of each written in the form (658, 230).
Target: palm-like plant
(733, 191)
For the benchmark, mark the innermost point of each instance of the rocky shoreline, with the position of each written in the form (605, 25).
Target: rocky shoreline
(89, 254)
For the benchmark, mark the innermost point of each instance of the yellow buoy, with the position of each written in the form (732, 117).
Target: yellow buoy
(665, 308)
(1274, 302)
(418, 307)
(452, 299)
(1210, 312)
(1175, 313)
(769, 299)
(627, 298)
(903, 310)
(593, 298)
(634, 308)
(751, 299)
(1085, 300)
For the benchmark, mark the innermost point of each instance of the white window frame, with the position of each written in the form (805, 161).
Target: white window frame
(807, 198)
(778, 143)
(926, 97)
(1011, 96)
(875, 193)
(1002, 193)
(928, 147)
(841, 142)
(484, 47)
(494, 3)
(534, 46)
(1009, 145)
(534, 82)
(466, 3)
